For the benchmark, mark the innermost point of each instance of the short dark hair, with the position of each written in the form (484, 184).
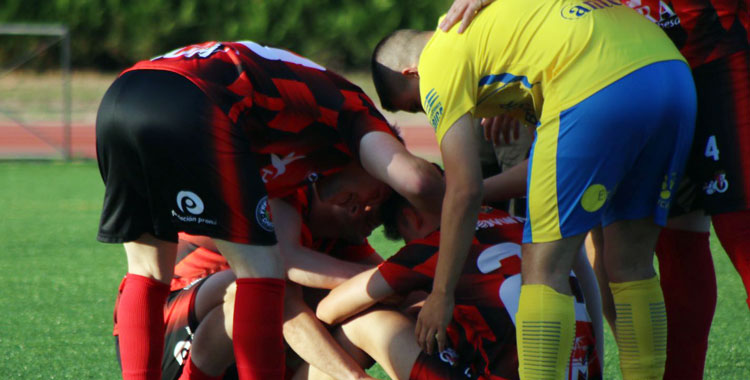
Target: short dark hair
(390, 214)
(382, 75)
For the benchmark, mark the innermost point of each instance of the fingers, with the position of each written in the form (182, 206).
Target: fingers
(466, 10)
(456, 11)
(442, 340)
(427, 335)
(469, 14)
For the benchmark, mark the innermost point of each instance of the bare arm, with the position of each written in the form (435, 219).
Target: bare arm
(305, 266)
(312, 342)
(387, 159)
(590, 287)
(353, 296)
(463, 197)
(506, 185)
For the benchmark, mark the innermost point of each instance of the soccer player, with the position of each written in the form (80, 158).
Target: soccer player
(198, 140)
(712, 37)
(482, 337)
(197, 344)
(594, 160)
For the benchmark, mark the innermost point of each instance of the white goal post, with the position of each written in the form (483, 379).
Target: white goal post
(58, 34)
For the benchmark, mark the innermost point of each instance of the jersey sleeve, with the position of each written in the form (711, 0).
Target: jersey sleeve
(446, 86)
(358, 117)
(411, 268)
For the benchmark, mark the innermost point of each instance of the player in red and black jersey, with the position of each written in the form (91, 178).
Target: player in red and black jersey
(194, 319)
(197, 140)
(482, 334)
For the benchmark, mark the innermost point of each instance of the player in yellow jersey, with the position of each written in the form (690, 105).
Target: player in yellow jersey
(601, 155)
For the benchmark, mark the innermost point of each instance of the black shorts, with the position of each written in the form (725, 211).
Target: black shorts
(171, 160)
(717, 177)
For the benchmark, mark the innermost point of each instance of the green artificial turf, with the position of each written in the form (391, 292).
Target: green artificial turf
(58, 284)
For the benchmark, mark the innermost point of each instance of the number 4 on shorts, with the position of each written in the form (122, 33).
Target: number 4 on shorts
(711, 149)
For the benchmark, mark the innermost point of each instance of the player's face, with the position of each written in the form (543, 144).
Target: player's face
(334, 222)
(354, 190)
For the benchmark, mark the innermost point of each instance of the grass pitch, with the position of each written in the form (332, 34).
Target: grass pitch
(57, 284)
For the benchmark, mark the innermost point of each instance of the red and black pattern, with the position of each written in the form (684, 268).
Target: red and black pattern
(483, 332)
(301, 119)
(703, 30)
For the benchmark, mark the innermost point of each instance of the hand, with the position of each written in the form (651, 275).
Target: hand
(465, 10)
(432, 321)
(498, 129)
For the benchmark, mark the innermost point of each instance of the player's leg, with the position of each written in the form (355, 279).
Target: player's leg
(637, 207)
(392, 344)
(257, 336)
(733, 229)
(688, 282)
(545, 322)
(723, 138)
(140, 312)
(211, 351)
(128, 217)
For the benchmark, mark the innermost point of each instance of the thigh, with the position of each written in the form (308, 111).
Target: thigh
(719, 165)
(582, 156)
(172, 161)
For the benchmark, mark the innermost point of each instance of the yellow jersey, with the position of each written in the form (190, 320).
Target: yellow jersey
(534, 58)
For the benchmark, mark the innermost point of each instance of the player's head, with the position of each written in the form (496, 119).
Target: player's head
(394, 69)
(328, 221)
(353, 189)
(401, 220)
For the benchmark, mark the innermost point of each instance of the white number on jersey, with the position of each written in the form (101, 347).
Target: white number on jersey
(280, 55)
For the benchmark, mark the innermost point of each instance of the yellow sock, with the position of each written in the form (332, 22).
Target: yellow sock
(641, 328)
(545, 329)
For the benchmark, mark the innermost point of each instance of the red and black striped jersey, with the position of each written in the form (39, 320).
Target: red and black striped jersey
(483, 329)
(703, 30)
(300, 118)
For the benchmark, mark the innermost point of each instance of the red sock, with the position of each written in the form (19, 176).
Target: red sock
(191, 372)
(257, 337)
(733, 231)
(689, 285)
(140, 322)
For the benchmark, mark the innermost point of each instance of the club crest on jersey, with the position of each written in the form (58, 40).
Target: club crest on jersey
(581, 9)
(434, 108)
(263, 214)
(718, 185)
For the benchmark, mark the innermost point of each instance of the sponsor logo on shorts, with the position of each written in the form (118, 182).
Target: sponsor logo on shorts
(594, 197)
(718, 185)
(188, 201)
(667, 187)
(583, 8)
(190, 206)
(434, 108)
(263, 214)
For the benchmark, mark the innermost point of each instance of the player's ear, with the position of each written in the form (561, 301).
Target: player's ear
(410, 71)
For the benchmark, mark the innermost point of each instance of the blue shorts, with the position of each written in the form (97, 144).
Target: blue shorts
(616, 155)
